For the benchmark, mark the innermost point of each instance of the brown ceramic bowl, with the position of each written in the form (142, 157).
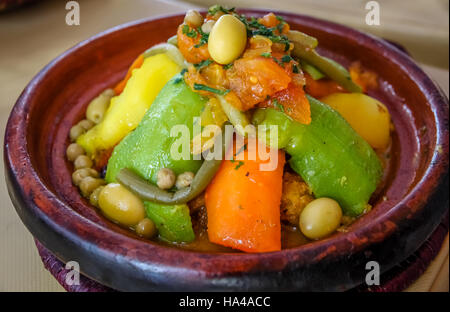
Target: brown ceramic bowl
(411, 204)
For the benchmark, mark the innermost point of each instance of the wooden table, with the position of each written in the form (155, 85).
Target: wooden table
(33, 36)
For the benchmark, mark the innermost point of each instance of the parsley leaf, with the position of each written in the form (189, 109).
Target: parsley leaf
(239, 165)
(192, 33)
(286, 59)
(278, 105)
(228, 66)
(202, 87)
(202, 64)
(266, 54)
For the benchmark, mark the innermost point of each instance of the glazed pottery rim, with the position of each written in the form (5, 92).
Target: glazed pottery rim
(435, 174)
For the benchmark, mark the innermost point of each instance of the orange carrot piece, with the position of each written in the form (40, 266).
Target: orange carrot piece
(136, 64)
(243, 203)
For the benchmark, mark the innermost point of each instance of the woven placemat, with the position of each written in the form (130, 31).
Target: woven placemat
(397, 279)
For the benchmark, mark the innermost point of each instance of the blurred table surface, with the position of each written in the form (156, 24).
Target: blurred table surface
(33, 35)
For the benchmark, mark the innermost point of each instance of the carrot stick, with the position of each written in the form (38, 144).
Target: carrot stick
(243, 203)
(136, 64)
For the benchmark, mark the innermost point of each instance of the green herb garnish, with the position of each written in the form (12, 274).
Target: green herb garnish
(243, 148)
(202, 87)
(203, 64)
(286, 59)
(218, 8)
(278, 105)
(228, 66)
(192, 33)
(239, 165)
(266, 54)
(203, 39)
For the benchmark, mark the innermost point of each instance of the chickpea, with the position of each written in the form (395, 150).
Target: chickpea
(146, 228)
(184, 179)
(98, 106)
(75, 132)
(227, 39)
(73, 151)
(93, 198)
(193, 18)
(86, 124)
(320, 218)
(82, 173)
(121, 205)
(165, 178)
(207, 26)
(89, 184)
(82, 161)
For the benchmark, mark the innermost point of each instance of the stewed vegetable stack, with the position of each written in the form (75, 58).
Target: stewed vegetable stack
(226, 70)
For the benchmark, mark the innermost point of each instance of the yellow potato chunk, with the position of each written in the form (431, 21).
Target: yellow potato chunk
(127, 109)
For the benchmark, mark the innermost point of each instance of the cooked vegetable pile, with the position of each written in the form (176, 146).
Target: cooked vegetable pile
(300, 163)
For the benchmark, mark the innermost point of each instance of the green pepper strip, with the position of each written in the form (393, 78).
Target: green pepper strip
(150, 192)
(302, 38)
(329, 67)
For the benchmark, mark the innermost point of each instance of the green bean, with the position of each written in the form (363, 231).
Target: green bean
(150, 192)
(311, 70)
(171, 51)
(302, 38)
(237, 118)
(329, 67)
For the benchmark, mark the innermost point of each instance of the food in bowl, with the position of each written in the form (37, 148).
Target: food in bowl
(234, 135)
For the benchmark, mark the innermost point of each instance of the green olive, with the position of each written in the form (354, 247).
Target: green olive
(320, 218)
(146, 228)
(73, 151)
(86, 124)
(98, 106)
(75, 132)
(121, 205)
(227, 39)
(82, 173)
(165, 178)
(82, 161)
(89, 184)
(93, 198)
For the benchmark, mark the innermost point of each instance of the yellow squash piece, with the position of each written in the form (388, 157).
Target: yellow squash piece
(127, 109)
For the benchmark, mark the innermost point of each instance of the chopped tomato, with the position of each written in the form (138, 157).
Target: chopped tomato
(322, 87)
(253, 79)
(187, 47)
(270, 20)
(292, 101)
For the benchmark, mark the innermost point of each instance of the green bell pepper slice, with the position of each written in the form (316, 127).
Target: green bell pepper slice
(328, 154)
(147, 149)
